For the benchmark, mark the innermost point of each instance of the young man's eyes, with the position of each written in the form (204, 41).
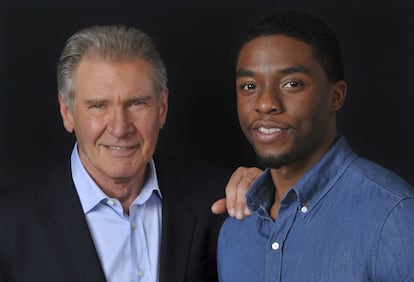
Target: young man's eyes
(247, 86)
(292, 84)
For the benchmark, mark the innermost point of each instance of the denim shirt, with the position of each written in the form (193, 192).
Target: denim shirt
(347, 219)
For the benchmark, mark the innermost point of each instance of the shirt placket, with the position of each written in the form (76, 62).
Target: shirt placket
(141, 268)
(275, 244)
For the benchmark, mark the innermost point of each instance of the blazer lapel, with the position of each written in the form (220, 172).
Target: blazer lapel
(177, 234)
(66, 230)
(178, 224)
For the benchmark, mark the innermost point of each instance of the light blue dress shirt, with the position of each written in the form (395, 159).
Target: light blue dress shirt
(127, 245)
(347, 219)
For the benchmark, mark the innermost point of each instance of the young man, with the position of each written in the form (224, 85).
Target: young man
(320, 212)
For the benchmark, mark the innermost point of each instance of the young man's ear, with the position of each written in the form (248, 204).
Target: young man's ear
(66, 114)
(338, 95)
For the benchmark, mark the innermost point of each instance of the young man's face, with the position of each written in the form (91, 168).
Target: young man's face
(116, 117)
(286, 105)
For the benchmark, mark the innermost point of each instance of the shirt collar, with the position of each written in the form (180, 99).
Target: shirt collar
(91, 195)
(311, 187)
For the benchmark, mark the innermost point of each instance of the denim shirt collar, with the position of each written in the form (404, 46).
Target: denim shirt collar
(310, 188)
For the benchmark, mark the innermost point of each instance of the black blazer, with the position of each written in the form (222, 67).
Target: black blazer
(44, 235)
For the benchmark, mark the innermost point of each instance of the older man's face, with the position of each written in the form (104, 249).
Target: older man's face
(116, 117)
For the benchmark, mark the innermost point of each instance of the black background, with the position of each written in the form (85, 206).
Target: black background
(198, 41)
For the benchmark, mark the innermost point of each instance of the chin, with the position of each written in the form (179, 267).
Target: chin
(120, 173)
(272, 161)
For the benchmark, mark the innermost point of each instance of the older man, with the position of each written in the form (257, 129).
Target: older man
(114, 211)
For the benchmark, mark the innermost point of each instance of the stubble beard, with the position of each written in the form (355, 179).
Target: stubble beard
(273, 162)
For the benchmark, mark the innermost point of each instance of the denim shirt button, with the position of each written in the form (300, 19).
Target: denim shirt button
(304, 209)
(275, 246)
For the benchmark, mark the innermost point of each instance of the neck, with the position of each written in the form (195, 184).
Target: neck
(285, 177)
(125, 191)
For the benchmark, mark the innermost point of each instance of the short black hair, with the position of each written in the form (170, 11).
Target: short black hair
(309, 29)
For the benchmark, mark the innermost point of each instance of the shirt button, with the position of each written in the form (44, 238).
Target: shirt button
(110, 202)
(140, 273)
(304, 209)
(275, 246)
(133, 225)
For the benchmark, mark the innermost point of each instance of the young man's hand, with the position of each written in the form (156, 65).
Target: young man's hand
(238, 185)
